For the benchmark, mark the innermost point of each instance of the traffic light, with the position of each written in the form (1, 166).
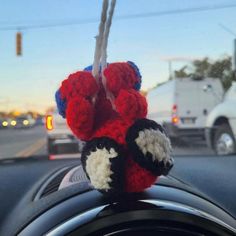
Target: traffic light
(18, 44)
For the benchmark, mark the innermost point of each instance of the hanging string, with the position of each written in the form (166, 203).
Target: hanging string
(99, 41)
(106, 35)
(100, 55)
(109, 95)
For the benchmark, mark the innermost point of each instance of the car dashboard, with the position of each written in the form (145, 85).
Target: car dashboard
(41, 197)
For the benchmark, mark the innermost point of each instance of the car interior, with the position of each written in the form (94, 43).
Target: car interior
(194, 199)
(101, 155)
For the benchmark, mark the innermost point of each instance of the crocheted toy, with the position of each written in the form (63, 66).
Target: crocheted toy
(124, 151)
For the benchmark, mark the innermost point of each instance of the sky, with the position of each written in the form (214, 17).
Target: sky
(51, 54)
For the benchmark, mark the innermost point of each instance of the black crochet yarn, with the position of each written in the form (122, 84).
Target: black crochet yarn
(116, 164)
(146, 161)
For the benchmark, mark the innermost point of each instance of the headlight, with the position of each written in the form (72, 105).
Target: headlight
(13, 122)
(25, 122)
(5, 123)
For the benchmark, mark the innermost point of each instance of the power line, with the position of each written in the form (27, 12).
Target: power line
(179, 11)
(48, 25)
(121, 17)
(227, 29)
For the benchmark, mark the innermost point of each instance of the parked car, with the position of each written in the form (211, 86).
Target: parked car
(60, 139)
(182, 105)
(221, 125)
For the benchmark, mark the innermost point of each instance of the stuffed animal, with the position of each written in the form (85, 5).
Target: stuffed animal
(124, 151)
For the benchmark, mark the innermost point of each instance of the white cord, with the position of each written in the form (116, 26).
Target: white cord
(109, 95)
(106, 35)
(100, 55)
(99, 41)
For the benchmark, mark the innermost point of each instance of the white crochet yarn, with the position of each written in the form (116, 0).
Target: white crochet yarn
(98, 167)
(156, 143)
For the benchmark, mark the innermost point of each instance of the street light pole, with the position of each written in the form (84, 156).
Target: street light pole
(234, 57)
(228, 30)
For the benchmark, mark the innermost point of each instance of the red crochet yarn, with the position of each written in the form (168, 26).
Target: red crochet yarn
(119, 76)
(80, 117)
(89, 119)
(131, 105)
(81, 83)
(137, 182)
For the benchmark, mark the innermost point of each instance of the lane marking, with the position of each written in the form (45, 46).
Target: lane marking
(35, 148)
(32, 148)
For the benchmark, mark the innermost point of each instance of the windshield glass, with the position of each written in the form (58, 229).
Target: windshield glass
(185, 51)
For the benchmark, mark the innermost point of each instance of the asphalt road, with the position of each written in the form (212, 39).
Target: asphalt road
(22, 142)
(32, 141)
(196, 147)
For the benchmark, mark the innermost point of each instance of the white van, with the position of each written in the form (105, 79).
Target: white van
(221, 124)
(182, 105)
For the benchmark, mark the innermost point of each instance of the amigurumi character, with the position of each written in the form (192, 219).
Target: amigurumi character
(124, 151)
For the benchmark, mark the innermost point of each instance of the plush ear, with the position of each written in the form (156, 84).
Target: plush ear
(88, 68)
(137, 85)
(61, 104)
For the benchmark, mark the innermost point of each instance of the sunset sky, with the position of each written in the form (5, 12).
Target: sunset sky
(50, 54)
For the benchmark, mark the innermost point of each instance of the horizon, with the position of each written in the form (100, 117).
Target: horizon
(51, 54)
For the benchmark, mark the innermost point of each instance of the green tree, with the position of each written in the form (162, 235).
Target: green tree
(201, 67)
(221, 68)
(181, 73)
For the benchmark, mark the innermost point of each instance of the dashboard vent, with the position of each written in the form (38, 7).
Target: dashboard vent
(52, 184)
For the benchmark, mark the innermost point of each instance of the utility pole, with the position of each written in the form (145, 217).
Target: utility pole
(234, 57)
(228, 30)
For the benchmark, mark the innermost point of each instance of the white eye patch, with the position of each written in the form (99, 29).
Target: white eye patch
(156, 143)
(98, 167)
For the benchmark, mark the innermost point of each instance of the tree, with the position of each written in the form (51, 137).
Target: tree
(201, 67)
(181, 73)
(221, 68)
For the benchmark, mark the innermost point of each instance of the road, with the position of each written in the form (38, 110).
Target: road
(32, 141)
(22, 142)
(192, 146)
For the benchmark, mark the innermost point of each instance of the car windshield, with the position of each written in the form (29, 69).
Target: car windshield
(185, 50)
